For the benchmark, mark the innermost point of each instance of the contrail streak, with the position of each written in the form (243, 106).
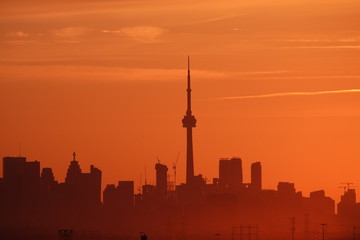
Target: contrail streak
(290, 94)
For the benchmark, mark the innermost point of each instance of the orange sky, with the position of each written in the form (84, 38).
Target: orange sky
(107, 79)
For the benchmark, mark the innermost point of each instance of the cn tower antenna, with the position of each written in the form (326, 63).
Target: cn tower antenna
(189, 122)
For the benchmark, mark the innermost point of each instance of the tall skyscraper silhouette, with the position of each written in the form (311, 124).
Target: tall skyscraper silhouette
(189, 122)
(230, 174)
(161, 178)
(256, 178)
(74, 171)
(13, 167)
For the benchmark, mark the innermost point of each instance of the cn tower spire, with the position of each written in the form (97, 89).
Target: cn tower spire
(188, 111)
(189, 122)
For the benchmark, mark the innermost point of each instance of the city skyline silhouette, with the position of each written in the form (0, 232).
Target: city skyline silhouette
(165, 210)
(274, 97)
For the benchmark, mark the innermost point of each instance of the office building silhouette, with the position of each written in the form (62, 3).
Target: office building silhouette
(230, 174)
(256, 176)
(161, 178)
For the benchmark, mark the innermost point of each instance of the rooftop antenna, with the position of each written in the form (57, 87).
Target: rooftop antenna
(74, 156)
(19, 150)
(158, 160)
(140, 183)
(145, 176)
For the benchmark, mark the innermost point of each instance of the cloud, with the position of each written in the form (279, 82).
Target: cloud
(285, 94)
(262, 72)
(70, 32)
(44, 70)
(118, 32)
(17, 34)
(20, 42)
(143, 34)
(322, 40)
(326, 47)
(217, 19)
(308, 77)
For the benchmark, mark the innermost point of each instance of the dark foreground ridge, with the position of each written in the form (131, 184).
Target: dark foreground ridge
(33, 205)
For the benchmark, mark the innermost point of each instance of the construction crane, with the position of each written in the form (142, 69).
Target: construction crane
(174, 168)
(348, 184)
(344, 188)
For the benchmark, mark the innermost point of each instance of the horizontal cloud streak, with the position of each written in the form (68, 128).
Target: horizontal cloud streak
(326, 47)
(286, 94)
(143, 34)
(70, 32)
(98, 73)
(17, 34)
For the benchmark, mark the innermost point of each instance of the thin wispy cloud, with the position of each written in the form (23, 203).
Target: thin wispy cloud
(217, 19)
(262, 72)
(287, 94)
(308, 77)
(44, 70)
(70, 32)
(143, 34)
(326, 47)
(21, 42)
(18, 34)
(322, 40)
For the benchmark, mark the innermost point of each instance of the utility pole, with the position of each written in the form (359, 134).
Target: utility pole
(307, 231)
(323, 230)
(66, 234)
(143, 236)
(245, 232)
(292, 229)
(356, 233)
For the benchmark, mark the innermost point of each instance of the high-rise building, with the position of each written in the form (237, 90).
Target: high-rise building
(189, 122)
(47, 175)
(230, 174)
(286, 189)
(74, 173)
(47, 180)
(346, 207)
(13, 168)
(224, 173)
(256, 177)
(126, 193)
(120, 197)
(22, 179)
(92, 186)
(110, 197)
(83, 189)
(236, 172)
(17, 170)
(161, 178)
(32, 171)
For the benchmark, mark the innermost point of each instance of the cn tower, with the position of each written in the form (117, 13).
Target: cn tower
(189, 122)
